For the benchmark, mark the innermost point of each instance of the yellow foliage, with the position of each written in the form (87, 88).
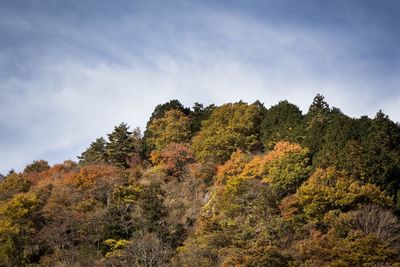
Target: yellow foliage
(115, 247)
(230, 127)
(173, 127)
(283, 168)
(329, 189)
(232, 167)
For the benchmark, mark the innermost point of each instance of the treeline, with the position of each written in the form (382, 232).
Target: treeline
(232, 185)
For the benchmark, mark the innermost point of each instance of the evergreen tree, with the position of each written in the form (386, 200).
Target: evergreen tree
(281, 122)
(317, 119)
(382, 154)
(95, 153)
(122, 145)
(160, 110)
(198, 114)
(340, 129)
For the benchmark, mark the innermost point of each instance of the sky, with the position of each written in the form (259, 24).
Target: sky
(72, 70)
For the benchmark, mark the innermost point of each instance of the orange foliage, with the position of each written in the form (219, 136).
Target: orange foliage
(233, 167)
(284, 147)
(91, 174)
(289, 206)
(53, 174)
(174, 158)
(255, 169)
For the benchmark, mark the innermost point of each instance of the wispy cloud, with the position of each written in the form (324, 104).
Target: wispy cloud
(71, 78)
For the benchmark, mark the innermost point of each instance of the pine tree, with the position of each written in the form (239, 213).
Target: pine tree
(281, 122)
(382, 154)
(122, 145)
(96, 153)
(198, 114)
(317, 119)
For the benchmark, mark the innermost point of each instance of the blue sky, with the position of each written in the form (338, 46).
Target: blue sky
(71, 70)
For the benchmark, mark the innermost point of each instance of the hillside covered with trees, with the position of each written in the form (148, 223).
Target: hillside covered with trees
(232, 185)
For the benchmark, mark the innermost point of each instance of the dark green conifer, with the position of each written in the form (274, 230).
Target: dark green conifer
(96, 153)
(123, 145)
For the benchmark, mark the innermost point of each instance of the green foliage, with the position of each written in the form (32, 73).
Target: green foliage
(281, 122)
(360, 238)
(328, 189)
(382, 152)
(198, 114)
(159, 112)
(16, 227)
(115, 247)
(123, 145)
(129, 193)
(284, 168)
(37, 166)
(317, 119)
(153, 210)
(288, 166)
(95, 153)
(123, 149)
(12, 184)
(215, 186)
(230, 127)
(238, 228)
(340, 130)
(173, 127)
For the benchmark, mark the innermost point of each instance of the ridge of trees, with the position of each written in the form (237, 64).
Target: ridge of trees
(233, 185)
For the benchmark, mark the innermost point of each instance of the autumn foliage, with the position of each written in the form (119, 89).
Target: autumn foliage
(232, 185)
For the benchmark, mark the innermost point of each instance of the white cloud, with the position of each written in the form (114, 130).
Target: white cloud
(75, 98)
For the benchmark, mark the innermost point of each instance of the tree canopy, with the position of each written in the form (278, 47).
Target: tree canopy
(229, 127)
(231, 185)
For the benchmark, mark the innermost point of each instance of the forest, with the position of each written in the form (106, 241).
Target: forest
(238, 184)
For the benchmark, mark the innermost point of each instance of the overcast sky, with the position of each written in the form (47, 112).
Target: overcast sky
(72, 70)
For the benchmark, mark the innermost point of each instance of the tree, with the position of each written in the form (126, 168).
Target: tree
(316, 120)
(95, 153)
(233, 167)
(329, 189)
(123, 145)
(229, 127)
(174, 126)
(159, 112)
(363, 237)
(319, 106)
(17, 224)
(284, 168)
(12, 184)
(198, 114)
(37, 166)
(281, 122)
(381, 149)
(287, 166)
(339, 130)
(173, 159)
(147, 250)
